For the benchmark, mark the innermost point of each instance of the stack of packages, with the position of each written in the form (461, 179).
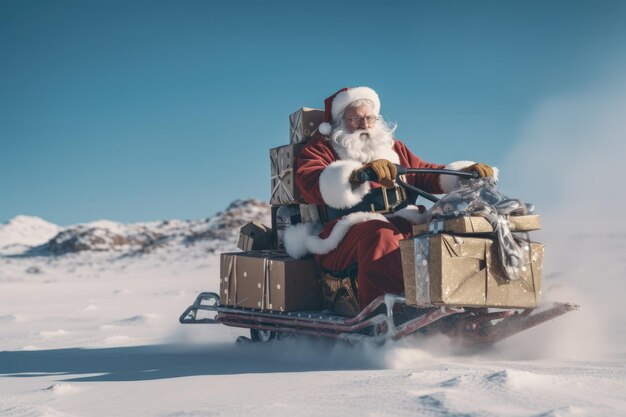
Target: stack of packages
(456, 262)
(263, 276)
(288, 207)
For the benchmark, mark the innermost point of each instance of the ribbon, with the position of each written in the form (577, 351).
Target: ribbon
(231, 275)
(265, 296)
(481, 197)
(436, 226)
(298, 131)
(295, 121)
(279, 177)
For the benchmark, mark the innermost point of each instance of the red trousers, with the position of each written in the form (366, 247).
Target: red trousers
(374, 246)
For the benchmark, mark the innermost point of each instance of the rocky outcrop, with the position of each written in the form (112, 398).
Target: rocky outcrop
(220, 230)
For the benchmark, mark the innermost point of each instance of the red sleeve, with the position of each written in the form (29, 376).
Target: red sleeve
(313, 158)
(427, 182)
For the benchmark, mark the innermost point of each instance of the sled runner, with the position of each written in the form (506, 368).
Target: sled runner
(388, 317)
(377, 322)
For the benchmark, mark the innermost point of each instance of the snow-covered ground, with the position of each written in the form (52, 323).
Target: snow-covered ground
(94, 332)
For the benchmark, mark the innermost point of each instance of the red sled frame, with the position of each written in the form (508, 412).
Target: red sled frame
(468, 326)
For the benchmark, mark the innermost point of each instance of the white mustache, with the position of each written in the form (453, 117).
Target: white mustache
(362, 144)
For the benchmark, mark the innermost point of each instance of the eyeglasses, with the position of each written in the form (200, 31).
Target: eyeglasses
(359, 120)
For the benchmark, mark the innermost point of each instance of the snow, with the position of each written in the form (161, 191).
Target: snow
(96, 333)
(26, 230)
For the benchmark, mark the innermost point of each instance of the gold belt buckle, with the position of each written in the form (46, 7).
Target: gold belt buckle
(387, 208)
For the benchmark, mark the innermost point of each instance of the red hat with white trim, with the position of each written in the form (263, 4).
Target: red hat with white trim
(337, 103)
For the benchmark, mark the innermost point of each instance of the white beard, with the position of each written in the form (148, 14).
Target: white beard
(365, 145)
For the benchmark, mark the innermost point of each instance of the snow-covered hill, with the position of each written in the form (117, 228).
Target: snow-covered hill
(31, 236)
(26, 231)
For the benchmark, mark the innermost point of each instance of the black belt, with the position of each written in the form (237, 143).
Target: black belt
(379, 200)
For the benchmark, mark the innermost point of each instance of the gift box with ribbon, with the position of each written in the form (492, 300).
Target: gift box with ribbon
(444, 269)
(269, 280)
(282, 161)
(304, 123)
(477, 224)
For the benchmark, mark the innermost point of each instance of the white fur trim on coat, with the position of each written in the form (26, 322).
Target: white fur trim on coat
(345, 98)
(450, 182)
(412, 214)
(335, 186)
(302, 239)
(296, 236)
(325, 128)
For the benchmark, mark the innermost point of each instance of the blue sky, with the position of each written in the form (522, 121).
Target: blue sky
(148, 110)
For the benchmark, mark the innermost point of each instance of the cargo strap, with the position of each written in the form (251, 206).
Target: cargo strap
(265, 297)
(231, 274)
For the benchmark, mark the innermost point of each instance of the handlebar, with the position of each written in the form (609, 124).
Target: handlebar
(370, 175)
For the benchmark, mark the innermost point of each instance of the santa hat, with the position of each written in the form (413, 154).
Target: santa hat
(337, 103)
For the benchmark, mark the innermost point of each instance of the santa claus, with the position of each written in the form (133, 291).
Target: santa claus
(367, 220)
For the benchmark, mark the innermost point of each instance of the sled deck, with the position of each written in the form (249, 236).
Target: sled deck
(386, 318)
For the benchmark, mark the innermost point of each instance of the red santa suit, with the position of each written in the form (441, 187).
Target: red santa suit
(368, 239)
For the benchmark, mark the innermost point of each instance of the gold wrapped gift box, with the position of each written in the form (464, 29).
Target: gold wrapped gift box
(443, 269)
(476, 224)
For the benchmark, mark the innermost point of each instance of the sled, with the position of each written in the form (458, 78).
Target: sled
(379, 322)
(387, 318)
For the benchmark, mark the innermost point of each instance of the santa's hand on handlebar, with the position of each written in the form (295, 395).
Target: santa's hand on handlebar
(483, 170)
(385, 172)
(381, 171)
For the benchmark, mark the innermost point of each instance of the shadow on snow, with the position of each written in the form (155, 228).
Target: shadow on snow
(139, 363)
